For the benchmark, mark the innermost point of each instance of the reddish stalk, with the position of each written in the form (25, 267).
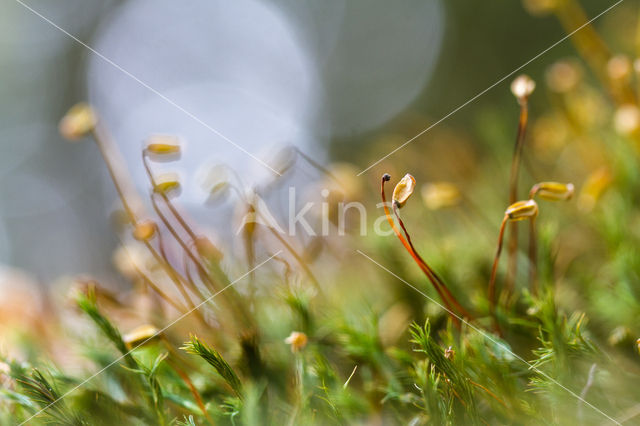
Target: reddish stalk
(494, 269)
(448, 295)
(166, 199)
(491, 394)
(174, 211)
(194, 392)
(512, 265)
(180, 241)
(106, 149)
(232, 305)
(171, 228)
(181, 289)
(183, 223)
(437, 284)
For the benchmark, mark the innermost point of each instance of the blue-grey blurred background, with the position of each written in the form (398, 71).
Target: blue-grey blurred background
(332, 77)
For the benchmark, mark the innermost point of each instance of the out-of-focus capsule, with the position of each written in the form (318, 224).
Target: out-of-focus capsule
(166, 184)
(163, 145)
(297, 340)
(144, 230)
(563, 76)
(626, 119)
(78, 122)
(619, 67)
(619, 335)
(522, 87)
(140, 335)
(539, 7)
(552, 191)
(437, 195)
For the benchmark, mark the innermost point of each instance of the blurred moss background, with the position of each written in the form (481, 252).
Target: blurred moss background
(55, 220)
(52, 201)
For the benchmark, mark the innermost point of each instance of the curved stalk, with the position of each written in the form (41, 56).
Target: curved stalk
(105, 148)
(205, 276)
(180, 241)
(431, 276)
(443, 287)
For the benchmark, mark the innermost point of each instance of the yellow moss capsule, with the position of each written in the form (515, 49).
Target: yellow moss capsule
(522, 210)
(144, 230)
(522, 87)
(163, 145)
(140, 335)
(553, 191)
(297, 340)
(403, 190)
(437, 195)
(78, 122)
(166, 184)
